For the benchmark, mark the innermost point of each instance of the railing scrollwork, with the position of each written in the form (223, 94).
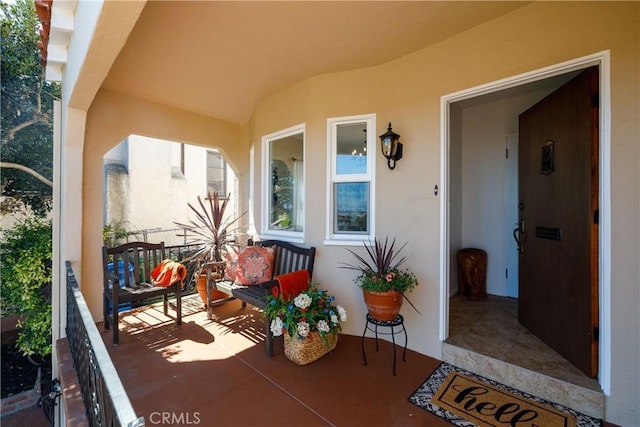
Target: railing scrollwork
(104, 396)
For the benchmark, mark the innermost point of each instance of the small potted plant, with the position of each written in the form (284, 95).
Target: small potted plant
(309, 322)
(212, 230)
(384, 285)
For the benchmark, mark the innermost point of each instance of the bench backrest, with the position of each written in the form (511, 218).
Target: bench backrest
(132, 261)
(290, 257)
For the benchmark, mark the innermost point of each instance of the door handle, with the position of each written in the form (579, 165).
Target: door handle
(518, 233)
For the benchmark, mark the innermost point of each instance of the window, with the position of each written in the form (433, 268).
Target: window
(351, 190)
(283, 183)
(216, 173)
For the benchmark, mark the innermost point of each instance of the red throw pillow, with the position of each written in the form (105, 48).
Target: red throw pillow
(255, 265)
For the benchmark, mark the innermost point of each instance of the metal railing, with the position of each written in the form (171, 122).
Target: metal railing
(105, 399)
(170, 236)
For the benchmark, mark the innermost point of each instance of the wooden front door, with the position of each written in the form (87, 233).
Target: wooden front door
(558, 213)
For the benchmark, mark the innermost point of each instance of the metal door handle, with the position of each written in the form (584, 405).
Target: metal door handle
(518, 234)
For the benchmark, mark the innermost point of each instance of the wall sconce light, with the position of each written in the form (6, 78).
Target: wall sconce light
(391, 148)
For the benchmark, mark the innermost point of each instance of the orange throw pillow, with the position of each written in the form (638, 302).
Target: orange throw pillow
(255, 265)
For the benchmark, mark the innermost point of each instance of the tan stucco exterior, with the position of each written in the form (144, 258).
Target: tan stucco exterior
(407, 91)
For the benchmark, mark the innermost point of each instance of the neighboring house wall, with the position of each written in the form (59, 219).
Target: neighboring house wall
(146, 188)
(538, 35)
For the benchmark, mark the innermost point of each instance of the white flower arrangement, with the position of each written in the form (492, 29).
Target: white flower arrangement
(312, 310)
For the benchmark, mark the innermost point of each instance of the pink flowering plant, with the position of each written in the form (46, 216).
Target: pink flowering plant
(391, 280)
(312, 310)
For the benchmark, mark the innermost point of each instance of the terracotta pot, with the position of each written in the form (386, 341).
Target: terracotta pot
(202, 290)
(383, 305)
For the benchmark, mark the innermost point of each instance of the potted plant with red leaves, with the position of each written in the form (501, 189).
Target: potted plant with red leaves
(384, 284)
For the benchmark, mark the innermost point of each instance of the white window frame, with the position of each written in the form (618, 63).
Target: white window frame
(347, 239)
(267, 233)
(224, 193)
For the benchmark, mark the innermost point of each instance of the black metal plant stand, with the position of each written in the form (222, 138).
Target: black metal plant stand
(373, 324)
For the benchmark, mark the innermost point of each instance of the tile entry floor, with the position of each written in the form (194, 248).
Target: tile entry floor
(491, 327)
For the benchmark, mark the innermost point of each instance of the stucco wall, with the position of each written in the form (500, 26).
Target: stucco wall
(407, 92)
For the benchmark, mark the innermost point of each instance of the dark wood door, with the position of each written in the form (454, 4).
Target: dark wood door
(558, 212)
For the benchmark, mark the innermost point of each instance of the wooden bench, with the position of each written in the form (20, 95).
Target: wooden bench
(288, 258)
(127, 280)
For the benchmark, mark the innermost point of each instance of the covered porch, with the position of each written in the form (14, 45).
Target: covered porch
(230, 75)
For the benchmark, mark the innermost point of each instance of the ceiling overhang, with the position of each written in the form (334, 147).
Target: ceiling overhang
(220, 58)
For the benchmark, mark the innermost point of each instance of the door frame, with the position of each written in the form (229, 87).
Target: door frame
(510, 253)
(601, 59)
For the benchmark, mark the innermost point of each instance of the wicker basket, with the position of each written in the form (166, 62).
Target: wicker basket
(309, 349)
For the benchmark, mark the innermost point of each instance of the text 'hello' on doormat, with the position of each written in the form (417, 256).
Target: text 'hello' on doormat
(486, 405)
(466, 399)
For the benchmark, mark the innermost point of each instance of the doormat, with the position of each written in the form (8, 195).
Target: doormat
(466, 400)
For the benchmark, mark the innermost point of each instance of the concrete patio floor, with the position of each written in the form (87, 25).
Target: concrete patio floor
(216, 373)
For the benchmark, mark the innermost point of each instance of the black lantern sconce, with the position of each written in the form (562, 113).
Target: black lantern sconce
(391, 148)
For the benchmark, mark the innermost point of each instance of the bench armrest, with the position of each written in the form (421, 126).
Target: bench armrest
(213, 270)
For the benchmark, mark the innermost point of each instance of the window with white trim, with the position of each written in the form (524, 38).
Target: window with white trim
(351, 187)
(283, 184)
(216, 173)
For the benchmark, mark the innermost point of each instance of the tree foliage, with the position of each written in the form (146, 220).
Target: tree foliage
(27, 109)
(25, 267)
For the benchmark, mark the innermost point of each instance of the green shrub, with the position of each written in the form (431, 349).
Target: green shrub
(25, 268)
